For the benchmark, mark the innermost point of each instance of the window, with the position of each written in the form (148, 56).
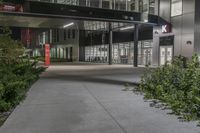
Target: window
(120, 5)
(133, 5)
(176, 8)
(69, 33)
(54, 36)
(94, 3)
(57, 35)
(73, 34)
(151, 6)
(106, 4)
(82, 2)
(65, 35)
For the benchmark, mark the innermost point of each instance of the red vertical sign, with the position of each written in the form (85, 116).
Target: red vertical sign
(47, 54)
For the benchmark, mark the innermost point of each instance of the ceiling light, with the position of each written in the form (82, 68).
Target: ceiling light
(127, 28)
(67, 25)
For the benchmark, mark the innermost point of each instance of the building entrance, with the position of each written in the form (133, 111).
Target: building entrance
(166, 53)
(166, 49)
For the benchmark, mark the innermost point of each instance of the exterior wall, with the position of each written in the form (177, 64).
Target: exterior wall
(197, 27)
(183, 29)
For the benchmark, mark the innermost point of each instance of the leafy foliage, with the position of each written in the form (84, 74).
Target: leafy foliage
(177, 85)
(17, 73)
(10, 49)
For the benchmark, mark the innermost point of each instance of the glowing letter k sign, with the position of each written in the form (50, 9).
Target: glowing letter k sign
(164, 28)
(167, 28)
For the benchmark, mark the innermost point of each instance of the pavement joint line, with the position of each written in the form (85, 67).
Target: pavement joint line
(105, 109)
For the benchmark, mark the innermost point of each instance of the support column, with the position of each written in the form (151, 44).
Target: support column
(136, 36)
(110, 44)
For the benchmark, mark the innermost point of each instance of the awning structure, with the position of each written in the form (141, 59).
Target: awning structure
(42, 14)
(26, 20)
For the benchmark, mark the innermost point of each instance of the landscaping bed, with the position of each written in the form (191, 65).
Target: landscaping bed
(15, 80)
(17, 74)
(175, 86)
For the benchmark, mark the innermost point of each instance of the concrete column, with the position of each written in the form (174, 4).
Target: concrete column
(136, 36)
(110, 44)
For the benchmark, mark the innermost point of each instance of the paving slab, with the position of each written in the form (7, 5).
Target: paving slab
(82, 98)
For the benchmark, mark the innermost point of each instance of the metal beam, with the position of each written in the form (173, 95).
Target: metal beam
(136, 36)
(110, 44)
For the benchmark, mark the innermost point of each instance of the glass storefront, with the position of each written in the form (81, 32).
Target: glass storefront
(122, 53)
(96, 53)
(145, 6)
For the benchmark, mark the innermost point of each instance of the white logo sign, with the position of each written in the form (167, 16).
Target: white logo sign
(164, 28)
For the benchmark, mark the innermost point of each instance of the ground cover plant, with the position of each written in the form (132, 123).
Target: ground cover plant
(17, 73)
(176, 86)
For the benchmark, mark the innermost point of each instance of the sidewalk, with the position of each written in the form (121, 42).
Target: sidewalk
(89, 99)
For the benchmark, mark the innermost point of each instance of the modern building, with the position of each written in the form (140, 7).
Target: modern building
(139, 32)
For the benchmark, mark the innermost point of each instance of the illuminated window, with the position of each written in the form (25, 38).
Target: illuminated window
(176, 8)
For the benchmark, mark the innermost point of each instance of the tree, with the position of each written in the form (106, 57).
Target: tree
(10, 50)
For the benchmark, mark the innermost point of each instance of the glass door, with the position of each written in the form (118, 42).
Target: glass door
(147, 59)
(166, 54)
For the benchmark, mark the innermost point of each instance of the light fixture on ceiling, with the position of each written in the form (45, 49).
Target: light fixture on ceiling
(68, 25)
(127, 28)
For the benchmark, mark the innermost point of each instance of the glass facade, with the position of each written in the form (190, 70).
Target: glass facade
(61, 52)
(145, 6)
(122, 53)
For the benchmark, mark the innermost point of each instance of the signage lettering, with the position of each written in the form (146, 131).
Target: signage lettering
(164, 28)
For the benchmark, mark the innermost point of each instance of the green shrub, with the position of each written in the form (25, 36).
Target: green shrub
(17, 73)
(4, 106)
(176, 84)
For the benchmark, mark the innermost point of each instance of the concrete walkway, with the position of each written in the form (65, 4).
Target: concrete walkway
(89, 99)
